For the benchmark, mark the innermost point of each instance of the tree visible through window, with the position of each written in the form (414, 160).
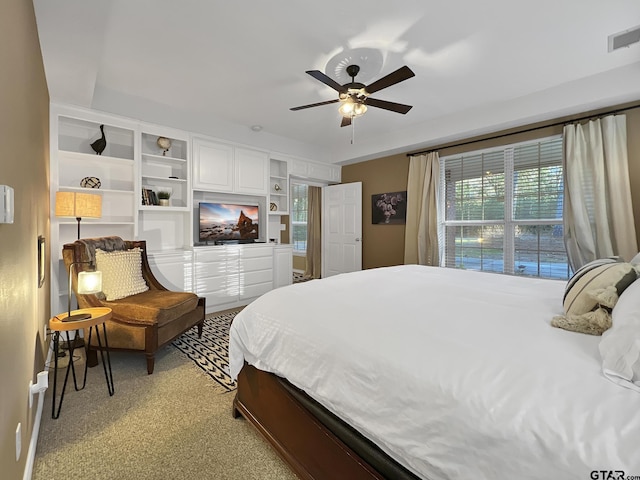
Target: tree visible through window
(502, 210)
(299, 210)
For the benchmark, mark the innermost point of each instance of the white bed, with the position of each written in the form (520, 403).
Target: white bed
(454, 374)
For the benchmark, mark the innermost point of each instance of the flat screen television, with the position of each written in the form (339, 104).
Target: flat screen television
(228, 223)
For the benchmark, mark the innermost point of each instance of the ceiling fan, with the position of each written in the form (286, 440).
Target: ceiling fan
(354, 96)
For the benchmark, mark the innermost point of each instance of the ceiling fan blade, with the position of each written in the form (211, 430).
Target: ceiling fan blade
(400, 75)
(394, 107)
(346, 121)
(314, 105)
(318, 75)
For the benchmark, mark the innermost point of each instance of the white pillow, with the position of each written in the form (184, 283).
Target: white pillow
(620, 345)
(635, 260)
(121, 273)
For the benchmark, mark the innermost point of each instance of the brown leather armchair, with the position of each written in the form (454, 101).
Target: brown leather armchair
(142, 322)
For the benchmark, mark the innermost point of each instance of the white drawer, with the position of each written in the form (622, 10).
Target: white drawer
(216, 254)
(256, 263)
(214, 269)
(250, 291)
(257, 251)
(222, 286)
(253, 278)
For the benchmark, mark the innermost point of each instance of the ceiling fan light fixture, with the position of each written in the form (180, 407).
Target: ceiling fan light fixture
(353, 95)
(351, 108)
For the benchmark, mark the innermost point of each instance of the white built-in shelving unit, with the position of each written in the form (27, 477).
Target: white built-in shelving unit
(194, 168)
(72, 159)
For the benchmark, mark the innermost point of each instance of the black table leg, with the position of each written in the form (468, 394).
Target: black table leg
(108, 377)
(70, 367)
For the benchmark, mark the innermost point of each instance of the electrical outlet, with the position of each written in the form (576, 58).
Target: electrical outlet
(18, 441)
(45, 331)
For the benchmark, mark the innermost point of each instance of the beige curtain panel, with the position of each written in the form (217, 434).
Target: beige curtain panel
(313, 267)
(421, 230)
(598, 216)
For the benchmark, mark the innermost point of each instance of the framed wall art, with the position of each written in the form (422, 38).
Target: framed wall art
(389, 208)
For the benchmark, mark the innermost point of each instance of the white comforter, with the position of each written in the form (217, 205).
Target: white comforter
(455, 374)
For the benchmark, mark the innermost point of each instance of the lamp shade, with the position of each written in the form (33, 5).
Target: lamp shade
(78, 205)
(89, 282)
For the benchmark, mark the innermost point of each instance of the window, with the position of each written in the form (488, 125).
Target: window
(502, 210)
(299, 209)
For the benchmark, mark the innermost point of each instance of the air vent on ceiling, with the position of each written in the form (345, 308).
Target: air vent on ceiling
(624, 39)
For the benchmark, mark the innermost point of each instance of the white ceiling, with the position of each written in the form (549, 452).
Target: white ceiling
(218, 67)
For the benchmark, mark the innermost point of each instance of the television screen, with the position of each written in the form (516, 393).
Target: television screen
(225, 221)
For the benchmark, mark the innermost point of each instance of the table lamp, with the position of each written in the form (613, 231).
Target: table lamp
(78, 205)
(88, 282)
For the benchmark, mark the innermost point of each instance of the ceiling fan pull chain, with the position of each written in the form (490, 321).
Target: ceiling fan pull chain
(353, 129)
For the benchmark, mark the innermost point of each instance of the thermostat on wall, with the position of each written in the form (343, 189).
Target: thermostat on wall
(6, 204)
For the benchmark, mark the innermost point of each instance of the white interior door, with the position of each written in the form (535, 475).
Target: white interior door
(341, 228)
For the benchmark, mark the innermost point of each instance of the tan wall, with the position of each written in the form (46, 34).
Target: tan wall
(383, 245)
(24, 165)
(633, 145)
(299, 262)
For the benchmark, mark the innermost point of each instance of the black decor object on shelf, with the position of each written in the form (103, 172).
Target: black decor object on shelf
(100, 144)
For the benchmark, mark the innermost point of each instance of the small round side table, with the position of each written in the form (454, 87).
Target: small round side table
(58, 324)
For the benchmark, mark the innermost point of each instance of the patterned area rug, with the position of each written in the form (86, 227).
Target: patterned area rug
(299, 277)
(211, 352)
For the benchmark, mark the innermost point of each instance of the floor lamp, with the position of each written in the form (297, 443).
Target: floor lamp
(78, 205)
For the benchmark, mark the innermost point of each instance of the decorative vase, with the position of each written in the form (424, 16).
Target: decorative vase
(164, 143)
(164, 202)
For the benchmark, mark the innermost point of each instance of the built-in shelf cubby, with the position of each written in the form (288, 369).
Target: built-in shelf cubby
(164, 166)
(278, 187)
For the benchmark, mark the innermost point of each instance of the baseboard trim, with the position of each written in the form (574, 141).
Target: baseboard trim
(33, 441)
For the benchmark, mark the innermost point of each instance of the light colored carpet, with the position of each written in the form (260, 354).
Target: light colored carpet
(174, 424)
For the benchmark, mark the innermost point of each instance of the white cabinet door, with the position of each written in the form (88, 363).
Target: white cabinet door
(299, 168)
(320, 172)
(212, 166)
(336, 173)
(251, 171)
(323, 172)
(282, 265)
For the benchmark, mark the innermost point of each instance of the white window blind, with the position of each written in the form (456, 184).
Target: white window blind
(502, 210)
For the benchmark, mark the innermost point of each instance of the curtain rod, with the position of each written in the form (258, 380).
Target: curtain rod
(532, 129)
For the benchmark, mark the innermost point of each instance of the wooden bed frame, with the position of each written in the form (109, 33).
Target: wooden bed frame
(292, 425)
